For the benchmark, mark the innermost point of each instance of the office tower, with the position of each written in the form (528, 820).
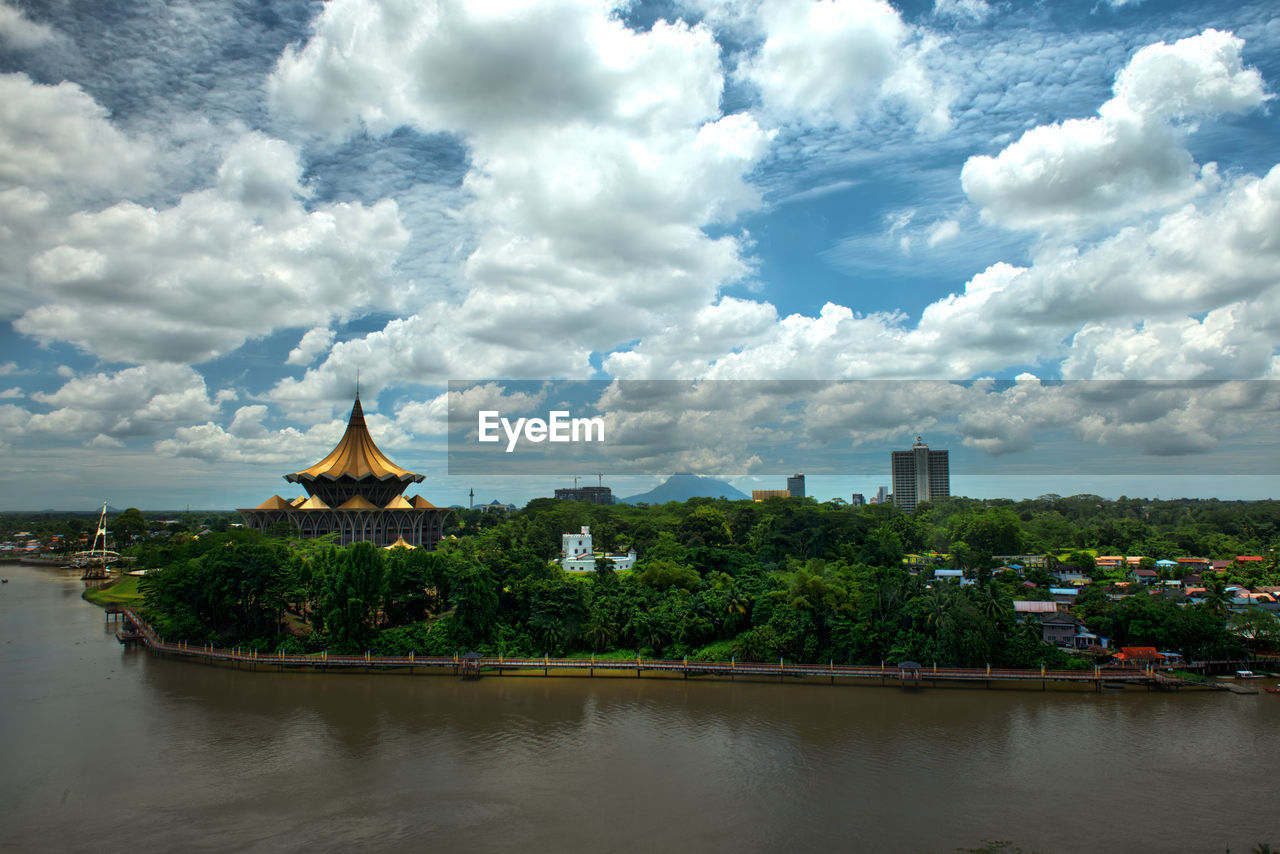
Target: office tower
(795, 485)
(919, 475)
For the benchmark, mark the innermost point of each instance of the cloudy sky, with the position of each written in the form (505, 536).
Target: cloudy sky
(212, 214)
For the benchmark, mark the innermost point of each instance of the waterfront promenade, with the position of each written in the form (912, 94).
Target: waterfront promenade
(136, 630)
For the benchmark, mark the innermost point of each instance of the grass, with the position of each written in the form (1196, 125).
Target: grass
(123, 591)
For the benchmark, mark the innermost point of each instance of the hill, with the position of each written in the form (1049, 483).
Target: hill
(682, 487)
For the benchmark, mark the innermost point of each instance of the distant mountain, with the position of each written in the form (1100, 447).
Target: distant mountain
(682, 487)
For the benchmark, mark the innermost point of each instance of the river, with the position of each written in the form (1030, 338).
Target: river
(109, 749)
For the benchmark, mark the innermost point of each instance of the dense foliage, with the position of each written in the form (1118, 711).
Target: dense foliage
(790, 579)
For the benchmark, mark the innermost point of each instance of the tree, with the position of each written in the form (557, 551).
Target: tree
(1258, 628)
(128, 526)
(661, 574)
(352, 595)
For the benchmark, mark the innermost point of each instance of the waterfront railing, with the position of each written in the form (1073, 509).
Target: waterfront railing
(138, 629)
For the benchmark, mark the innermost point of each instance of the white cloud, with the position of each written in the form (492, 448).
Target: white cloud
(146, 400)
(598, 156)
(942, 231)
(1108, 314)
(1131, 157)
(313, 343)
(483, 68)
(965, 10)
(11, 393)
(1224, 345)
(248, 440)
(834, 62)
(135, 284)
(20, 32)
(58, 137)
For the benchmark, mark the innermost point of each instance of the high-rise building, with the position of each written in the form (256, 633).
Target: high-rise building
(882, 496)
(857, 500)
(919, 475)
(589, 494)
(795, 485)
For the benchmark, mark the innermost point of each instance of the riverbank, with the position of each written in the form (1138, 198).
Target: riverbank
(475, 665)
(122, 591)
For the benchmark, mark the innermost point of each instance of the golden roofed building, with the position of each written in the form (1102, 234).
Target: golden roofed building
(357, 493)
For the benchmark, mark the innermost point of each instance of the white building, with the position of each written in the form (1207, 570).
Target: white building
(576, 554)
(919, 474)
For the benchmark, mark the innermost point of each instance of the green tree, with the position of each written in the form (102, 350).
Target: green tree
(127, 527)
(352, 595)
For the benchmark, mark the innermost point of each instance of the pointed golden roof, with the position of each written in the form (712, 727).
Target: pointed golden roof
(357, 502)
(275, 502)
(356, 456)
(400, 544)
(399, 503)
(313, 503)
(421, 503)
(301, 499)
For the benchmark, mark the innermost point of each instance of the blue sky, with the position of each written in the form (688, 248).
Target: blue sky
(213, 214)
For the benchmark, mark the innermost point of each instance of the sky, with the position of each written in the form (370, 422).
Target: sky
(214, 215)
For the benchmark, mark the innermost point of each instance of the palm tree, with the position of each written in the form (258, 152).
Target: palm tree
(1216, 595)
(599, 631)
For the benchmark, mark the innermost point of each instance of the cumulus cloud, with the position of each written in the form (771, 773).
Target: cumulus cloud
(598, 155)
(248, 440)
(833, 62)
(1131, 157)
(313, 343)
(134, 284)
(146, 400)
(1193, 294)
(1223, 345)
(58, 137)
(20, 32)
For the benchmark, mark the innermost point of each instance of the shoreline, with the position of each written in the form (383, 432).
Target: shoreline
(135, 630)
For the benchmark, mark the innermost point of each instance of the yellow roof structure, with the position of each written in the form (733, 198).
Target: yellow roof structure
(301, 499)
(275, 502)
(400, 544)
(356, 456)
(421, 503)
(399, 503)
(358, 502)
(313, 503)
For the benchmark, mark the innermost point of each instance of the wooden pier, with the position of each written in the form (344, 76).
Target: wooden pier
(137, 630)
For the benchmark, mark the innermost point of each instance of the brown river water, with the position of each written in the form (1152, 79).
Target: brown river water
(109, 749)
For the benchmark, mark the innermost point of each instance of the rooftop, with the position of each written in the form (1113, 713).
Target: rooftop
(356, 456)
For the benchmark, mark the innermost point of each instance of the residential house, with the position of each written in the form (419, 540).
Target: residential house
(1146, 576)
(1059, 628)
(1070, 573)
(1065, 595)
